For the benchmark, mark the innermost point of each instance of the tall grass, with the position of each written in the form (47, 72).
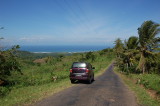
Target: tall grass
(149, 81)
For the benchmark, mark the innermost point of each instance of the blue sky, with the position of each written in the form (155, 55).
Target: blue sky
(73, 22)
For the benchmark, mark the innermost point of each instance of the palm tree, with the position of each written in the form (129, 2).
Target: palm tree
(148, 40)
(118, 47)
(130, 47)
(132, 42)
(130, 50)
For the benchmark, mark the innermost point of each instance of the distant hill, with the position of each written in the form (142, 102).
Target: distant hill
(30, 55)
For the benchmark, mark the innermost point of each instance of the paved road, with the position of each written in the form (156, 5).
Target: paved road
(106, 90)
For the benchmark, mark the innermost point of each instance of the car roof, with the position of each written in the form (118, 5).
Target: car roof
(81, 62)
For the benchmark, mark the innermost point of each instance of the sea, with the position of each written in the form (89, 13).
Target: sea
(53, 49)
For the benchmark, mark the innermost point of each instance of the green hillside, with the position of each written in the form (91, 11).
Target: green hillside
(35, 79)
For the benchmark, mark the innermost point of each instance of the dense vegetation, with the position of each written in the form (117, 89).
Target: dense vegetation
(140, 54)
(8, 65)
(139, 57)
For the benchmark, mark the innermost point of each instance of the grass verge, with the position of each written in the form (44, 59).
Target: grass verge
(31, 94)
(143, 97)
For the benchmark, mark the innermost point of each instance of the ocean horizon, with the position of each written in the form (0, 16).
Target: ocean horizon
(52, 49)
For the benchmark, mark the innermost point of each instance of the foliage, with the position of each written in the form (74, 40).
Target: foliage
(151, 81)
(119, 47)
(137, 55)
(3, 91)
(8, 63)
(141, 55)
(148, 41)
(132, 42)
(91, 56)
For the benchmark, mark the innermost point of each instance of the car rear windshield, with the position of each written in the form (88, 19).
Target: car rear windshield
(79, 65)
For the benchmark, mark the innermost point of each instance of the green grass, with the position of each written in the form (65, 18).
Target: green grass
(141, 93)
(30, 94)
(150, 81)
(37, 83)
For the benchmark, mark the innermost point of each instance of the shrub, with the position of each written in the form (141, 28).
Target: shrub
(8, 63)
(3, 91)
(90, 55)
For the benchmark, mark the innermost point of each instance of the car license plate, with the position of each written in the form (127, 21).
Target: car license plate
(78, 75)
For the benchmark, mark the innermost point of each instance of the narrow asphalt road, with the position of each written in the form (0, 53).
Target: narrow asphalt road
(106, 90)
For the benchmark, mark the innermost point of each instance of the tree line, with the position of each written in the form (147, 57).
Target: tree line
(140, 54)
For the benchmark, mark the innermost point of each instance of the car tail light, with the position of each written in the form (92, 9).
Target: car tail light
(87, 70)
(70, 70)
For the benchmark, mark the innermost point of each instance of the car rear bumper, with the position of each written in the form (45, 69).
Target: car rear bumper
(78, 77)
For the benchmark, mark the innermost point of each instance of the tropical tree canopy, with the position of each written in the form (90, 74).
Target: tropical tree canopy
(118, 47)
(140, 54)
(132, 42)
(148, 41)
(147, 35)
(8, 62)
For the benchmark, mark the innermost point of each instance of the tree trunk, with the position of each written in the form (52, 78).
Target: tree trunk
(144, 62)
(143, 68)
(127, 68)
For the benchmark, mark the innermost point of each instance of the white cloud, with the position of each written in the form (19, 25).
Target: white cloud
(31, 38)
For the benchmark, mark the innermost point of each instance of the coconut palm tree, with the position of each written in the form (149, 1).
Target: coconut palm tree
(132, 42)
(148, 40)
(131, 46)
(130, 50)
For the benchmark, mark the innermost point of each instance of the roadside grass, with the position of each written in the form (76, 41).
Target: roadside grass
(37, 82)
(30, 94)
(149, 81)
(143, 97)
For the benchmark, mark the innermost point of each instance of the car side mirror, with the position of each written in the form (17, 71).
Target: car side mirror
(93, 67)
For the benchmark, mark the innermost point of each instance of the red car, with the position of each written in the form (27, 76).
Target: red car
(82, 71)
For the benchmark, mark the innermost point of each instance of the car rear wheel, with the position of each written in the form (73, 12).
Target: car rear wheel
(93, 78)
(89, 80)
(72, 81)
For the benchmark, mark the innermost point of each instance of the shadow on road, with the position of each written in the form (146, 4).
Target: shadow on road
(82, 82)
